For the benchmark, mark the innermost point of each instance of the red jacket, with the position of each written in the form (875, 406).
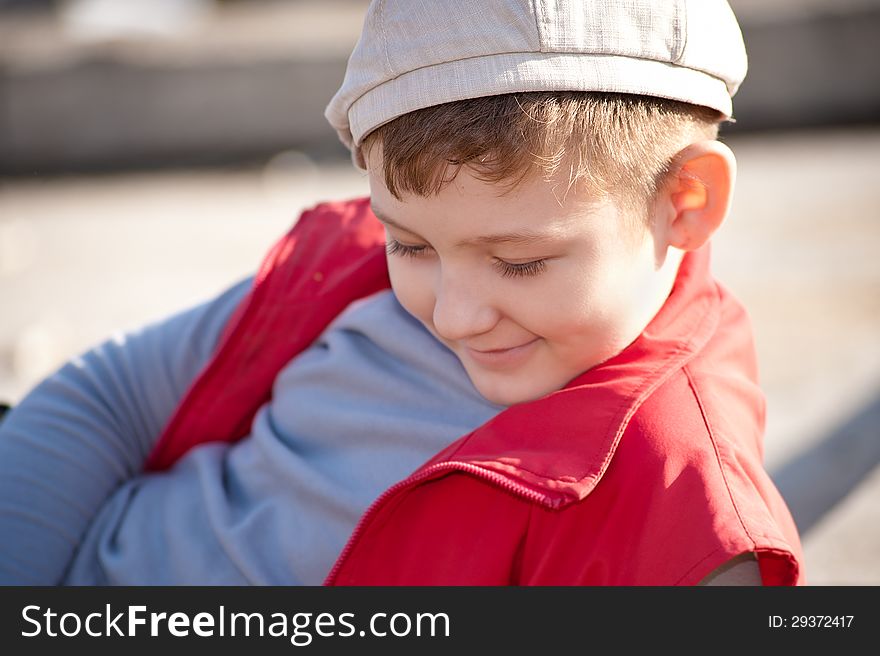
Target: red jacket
(644, 470)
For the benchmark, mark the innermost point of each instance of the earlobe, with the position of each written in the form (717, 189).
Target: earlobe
(699, 193)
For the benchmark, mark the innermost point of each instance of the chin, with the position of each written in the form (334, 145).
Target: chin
(500, 393)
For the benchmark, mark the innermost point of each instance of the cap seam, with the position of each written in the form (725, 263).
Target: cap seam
(543, 52)
(380, 18)
(683, 33)
(389, 80)
(538, 22)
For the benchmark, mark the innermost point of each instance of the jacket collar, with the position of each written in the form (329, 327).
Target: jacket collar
(531, 444)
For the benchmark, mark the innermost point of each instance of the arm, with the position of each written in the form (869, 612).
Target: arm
(88, 428)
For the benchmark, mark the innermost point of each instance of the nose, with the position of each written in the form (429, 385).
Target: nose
(462, 308)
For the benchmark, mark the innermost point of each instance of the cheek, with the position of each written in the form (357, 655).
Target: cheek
(411, 284)
(608, 305)
(584, 307)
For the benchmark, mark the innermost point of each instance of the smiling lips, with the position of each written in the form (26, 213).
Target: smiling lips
(498, 358)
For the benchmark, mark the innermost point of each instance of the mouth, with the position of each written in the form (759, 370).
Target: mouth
(504, 357)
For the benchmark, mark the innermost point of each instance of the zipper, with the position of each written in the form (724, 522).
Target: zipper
(419, 477)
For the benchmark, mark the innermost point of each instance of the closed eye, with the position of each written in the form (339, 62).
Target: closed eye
(506, 269)
(394, 247)
(509, 270)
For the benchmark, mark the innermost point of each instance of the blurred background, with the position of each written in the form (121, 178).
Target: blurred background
(152, 150)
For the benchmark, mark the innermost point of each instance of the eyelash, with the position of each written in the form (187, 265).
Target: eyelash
(506, 269)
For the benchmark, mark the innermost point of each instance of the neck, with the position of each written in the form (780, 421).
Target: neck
(657, 290)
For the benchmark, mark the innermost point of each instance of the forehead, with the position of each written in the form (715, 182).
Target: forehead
(472, 209)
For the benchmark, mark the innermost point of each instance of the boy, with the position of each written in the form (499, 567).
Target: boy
(566, 393)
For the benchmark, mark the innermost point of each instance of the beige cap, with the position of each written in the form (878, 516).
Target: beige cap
(418, 53)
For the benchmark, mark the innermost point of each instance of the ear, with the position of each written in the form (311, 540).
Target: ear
(697, 193)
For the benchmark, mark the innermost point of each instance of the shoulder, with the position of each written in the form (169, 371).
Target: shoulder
(699, 421)
(692, 457)
(667, 509)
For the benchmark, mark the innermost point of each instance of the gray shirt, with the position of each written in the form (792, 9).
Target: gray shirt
(368, 402)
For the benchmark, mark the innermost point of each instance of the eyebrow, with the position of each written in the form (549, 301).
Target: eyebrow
(516, 237)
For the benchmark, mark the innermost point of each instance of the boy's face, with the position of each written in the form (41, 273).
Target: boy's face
(528, 290)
